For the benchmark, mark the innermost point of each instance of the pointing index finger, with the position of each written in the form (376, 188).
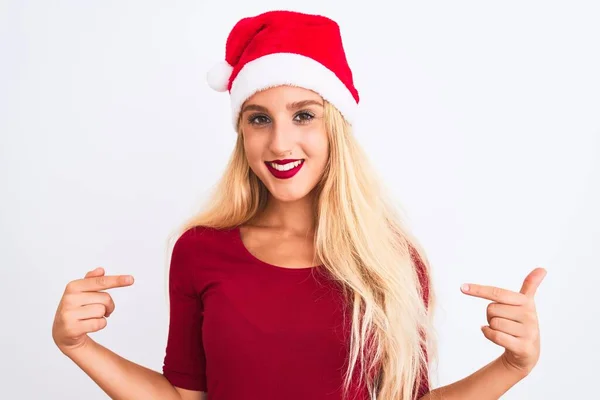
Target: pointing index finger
(94, 284)
(495, 294)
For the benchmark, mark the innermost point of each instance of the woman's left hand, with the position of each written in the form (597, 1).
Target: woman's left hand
(512, 321)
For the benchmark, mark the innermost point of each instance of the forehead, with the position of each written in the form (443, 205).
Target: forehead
(282, 95)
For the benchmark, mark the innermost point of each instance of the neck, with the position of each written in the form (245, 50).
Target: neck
(293, 217)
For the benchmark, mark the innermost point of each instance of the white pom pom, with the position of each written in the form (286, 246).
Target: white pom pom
(218, 76)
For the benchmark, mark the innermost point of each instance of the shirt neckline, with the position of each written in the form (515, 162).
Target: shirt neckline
(238, 238)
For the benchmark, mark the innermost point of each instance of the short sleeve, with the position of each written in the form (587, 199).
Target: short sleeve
(184, 362)
(423, 386)
(424, 281)
(423, 276)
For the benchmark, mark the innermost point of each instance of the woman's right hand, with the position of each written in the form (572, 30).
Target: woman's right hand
(83, 308)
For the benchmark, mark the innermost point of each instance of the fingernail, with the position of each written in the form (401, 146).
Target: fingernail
(465, 287)
(129, 279)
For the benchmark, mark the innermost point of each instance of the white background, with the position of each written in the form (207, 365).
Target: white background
(482, 117)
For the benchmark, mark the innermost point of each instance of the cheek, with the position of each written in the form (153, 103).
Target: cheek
(253, 148)
(316, 146)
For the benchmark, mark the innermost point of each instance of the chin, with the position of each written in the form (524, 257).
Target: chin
(287, 190)
(287, 195)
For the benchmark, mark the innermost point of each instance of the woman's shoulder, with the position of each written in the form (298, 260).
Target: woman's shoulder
(201, 233)
(202, 248)
(205, 239)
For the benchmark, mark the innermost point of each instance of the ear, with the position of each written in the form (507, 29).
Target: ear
(239, 125)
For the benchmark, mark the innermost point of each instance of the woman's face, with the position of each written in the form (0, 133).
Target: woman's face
(285, 140)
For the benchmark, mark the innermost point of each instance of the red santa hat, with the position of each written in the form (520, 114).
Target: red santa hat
(285, 48)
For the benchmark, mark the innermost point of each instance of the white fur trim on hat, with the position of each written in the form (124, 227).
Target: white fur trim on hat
(291, 69)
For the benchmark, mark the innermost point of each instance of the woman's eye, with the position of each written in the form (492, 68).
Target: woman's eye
(258, 119)
(303, 117)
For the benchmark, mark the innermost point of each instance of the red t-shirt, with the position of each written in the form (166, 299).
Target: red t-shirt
(241, 328)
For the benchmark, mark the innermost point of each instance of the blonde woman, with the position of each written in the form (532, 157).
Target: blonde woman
(299, 281)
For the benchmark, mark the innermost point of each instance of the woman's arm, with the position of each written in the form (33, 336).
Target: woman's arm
(513, 324)
(84, 308)
(122, 379)
(488, 383)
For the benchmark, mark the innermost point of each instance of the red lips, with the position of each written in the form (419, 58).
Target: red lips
(283, 174)
(283, 162)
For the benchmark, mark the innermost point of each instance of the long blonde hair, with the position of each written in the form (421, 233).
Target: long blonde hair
(365, 246)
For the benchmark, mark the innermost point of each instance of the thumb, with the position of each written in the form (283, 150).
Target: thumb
(95, 272)
(532, 281)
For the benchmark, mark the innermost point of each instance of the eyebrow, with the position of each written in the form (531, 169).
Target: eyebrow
(290, 106)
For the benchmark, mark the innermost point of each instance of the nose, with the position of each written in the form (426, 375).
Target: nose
(282, 138)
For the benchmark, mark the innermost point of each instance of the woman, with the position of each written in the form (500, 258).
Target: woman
(299, 281)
